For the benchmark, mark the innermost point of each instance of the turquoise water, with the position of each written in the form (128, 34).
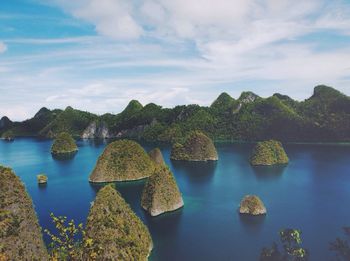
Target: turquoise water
(311, 193)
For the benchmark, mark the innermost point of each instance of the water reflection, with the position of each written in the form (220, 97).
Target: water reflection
(269, 172)
(196, 171)
(252, 224)
(64, 156)
(165, 223)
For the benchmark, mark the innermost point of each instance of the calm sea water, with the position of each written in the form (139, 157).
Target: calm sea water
(312, 193)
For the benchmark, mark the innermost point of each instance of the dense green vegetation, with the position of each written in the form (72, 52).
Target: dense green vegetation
(161, 193)
(20, 233)
(122, 160)
(252, 205)
(324, 117)
(69, 241)
(291, 248)
(63, 144)
(115, 228)
(196, 147)
(267, 153)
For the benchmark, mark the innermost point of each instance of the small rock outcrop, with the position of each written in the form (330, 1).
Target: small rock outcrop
(20, 233)
(161, 193)
(41, 178)
(252, 205)
(122, 160)
(115, 228)
(8, 136)
(157, 156)
(267, 153)
(96, 130)
(197, 147)
(64, 144)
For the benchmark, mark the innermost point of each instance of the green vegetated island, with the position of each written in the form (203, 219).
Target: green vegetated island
(122, 160)
(252, 205)
(20, 233)
(267, 153)
(115, 228)
(196, 147)
(64, 144)
(324, 117)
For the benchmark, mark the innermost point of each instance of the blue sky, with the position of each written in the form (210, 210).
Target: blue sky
(96, 55)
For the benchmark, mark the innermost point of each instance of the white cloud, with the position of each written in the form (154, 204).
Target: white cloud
(180, 51)
(111, 18)
(3, 47)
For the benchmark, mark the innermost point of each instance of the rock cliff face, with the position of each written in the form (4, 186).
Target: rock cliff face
(96, 131)
(161, 193)
(197, 147)
(20, 233)
(114, 227)
(63, 144)
(122, 160)
(268, 153)
(252, 205)
(157, 156)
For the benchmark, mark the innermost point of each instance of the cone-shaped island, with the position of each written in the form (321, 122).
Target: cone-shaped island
(116, 229)
(20, 233)
(157, 156)
(197, 147)
(122, 160)
(161, 193)
(252, 205)
(267, 153)
(64, 144)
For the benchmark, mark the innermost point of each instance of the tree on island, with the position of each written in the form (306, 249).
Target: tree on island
(291, 248)
(70, 241)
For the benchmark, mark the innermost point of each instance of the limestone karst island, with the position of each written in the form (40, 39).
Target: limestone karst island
(174, 130)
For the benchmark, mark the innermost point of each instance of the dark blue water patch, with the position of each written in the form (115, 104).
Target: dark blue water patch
(310, 193)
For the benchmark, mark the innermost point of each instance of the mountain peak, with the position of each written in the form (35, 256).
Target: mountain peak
(248, 97)
(42, 111)
(133, 107)
(324, 91)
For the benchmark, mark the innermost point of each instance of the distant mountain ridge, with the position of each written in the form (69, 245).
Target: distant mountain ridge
(324, 117)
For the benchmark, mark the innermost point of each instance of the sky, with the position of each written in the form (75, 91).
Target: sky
(97, 55)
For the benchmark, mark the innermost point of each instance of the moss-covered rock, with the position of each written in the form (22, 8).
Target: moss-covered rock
(197, 147)
(268, 153)
(20, 233)
(115, 228)
(252, 205)
(157, 156)
(122, 160)
(64, 144)
(42, 179)
(161, 193)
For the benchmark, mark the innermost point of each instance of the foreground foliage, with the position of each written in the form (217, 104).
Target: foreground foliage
(341, 246)
(291, 248)
(70, 241)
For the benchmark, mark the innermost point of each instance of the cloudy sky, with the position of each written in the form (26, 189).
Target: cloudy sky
(96, 55)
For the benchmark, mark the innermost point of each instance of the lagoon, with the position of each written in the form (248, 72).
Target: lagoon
(311, 194)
